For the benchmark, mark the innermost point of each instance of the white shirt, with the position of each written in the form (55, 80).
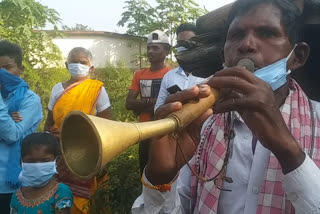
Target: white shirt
(302, 186)
(103, 101)
(178, 77)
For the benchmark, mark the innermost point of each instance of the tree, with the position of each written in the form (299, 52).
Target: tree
(77, 27)
(141, 18)
(173, 13)
(138, 17)
(19, 20)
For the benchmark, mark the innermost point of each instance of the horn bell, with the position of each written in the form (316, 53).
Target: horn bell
(88, 142)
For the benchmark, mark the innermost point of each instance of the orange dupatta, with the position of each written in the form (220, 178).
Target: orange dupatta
(82, 97)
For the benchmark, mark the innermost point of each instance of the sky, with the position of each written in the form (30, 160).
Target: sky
(103, 15)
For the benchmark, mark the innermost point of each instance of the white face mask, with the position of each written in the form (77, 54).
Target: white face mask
(78, 70)
(37, 174)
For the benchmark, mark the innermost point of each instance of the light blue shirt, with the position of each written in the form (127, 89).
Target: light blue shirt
(178, 77)
(11, 132)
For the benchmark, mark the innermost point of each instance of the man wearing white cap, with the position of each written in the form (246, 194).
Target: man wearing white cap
(146, 83)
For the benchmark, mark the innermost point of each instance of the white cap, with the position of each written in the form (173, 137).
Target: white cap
(158, 36)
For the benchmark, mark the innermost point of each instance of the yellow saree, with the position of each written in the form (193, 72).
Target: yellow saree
(82, 97)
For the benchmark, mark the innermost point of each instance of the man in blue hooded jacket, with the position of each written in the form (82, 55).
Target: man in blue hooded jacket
(20, 115)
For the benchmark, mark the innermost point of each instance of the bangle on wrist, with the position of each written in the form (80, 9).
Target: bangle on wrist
(161, 187)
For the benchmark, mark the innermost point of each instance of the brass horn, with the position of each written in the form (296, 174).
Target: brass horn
(88, 143)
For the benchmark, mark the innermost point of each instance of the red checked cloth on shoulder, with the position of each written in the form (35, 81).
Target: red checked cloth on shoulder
(211, 151)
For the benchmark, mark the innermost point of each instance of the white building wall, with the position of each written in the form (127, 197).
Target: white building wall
(103, 48)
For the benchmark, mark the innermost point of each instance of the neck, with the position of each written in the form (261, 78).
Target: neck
(157, 66)
(281, 94)
(49, 185)
(71, 81)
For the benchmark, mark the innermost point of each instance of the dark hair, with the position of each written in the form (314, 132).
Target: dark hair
(11, 50)
(291, 16)
(311, 8)
(79, 49)
(36, 140)
(186, 27)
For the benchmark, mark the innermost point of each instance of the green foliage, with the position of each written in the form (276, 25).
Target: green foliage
(18, 19)
(138, 17)
(141, 18)
(42, 81)
(117, 80)
(123, 186)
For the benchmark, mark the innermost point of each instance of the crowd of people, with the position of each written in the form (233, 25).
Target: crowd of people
(257, 150)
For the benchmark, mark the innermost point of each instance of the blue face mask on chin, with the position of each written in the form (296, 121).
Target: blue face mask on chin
(37, 174)
(276, 73)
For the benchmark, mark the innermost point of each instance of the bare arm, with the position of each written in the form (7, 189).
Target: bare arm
(105, 114)
(139, 105)
(30, 111)
(64, 211)
(49, 122)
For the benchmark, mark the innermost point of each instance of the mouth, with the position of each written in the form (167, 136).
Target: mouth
(251, 58)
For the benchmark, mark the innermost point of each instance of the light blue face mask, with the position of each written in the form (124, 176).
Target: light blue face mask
(37, 174)
(275, 74)
(181, 48)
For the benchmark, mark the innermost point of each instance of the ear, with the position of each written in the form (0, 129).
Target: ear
(21, 68)
(66, 63)
(91, 69)
(299, 56)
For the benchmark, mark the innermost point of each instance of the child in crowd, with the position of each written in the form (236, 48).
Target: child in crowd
(40, 192)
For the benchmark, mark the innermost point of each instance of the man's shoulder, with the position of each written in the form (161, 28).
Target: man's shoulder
(32, 96)
(171, 72)
(141, 71)
(175, 70)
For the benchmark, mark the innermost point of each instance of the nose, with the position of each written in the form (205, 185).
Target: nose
(248, 45)
(150, 50)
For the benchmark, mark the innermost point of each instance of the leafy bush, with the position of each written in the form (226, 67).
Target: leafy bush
(117, 80)
(41, 82)
(118, 193)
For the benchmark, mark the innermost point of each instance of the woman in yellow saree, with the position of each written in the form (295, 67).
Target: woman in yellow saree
(82, 94)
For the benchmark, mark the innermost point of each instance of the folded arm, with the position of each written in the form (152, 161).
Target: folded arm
(31, 112)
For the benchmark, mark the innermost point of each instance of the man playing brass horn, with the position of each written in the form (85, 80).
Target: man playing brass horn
(258, 149)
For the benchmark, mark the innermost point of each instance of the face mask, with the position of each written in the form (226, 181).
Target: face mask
(37, 174)
(181, 48)
(78, 70)
(275, 74)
